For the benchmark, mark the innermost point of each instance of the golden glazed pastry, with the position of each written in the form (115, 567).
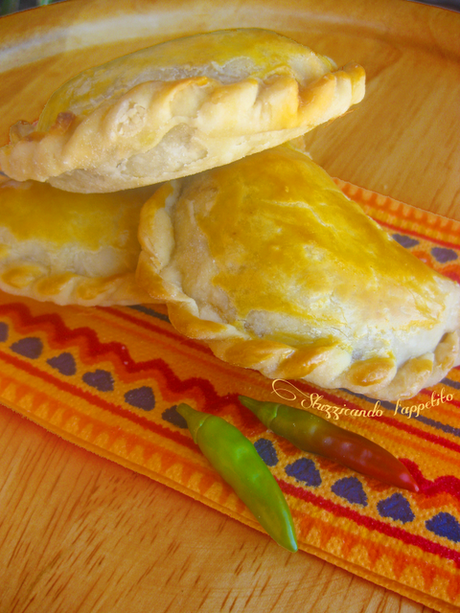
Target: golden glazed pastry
(70, 248)
(179, 108)
(275, 269)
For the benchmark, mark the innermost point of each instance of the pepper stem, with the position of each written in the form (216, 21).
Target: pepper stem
(265, 411)
(194, 419)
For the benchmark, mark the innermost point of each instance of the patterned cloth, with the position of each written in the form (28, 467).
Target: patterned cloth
(109, 380)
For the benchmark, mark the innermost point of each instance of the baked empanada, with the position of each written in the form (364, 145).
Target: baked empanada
(275, 269)
(179, 108)
(70, 248)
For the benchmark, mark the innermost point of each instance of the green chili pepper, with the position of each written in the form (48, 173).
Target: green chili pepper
(314, 434)
(236, 459)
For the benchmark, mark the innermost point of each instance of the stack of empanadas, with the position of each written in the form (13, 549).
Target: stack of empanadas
(252, 246)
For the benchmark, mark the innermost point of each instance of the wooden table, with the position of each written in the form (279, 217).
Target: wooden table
(81, 534)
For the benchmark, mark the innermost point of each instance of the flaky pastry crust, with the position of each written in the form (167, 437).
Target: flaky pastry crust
(70, 248)
(267, 262)
(179, 108)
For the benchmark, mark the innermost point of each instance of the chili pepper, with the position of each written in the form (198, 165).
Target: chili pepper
(236, 460)
(314, 434)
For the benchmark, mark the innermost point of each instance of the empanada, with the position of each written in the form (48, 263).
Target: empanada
(179, 108)
(70, 248)
(275, 269)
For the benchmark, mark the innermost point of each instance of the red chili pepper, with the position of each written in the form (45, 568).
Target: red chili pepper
(314, 434)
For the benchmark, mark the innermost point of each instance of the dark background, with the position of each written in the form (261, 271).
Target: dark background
(7, 6)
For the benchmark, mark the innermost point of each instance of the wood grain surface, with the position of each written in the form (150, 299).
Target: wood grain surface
(79, 534)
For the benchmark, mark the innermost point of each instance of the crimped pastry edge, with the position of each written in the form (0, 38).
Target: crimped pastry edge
(33, 280)
(70, 159)
(327, 366)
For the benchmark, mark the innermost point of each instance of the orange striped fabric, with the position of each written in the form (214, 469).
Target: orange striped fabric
(110, 379)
